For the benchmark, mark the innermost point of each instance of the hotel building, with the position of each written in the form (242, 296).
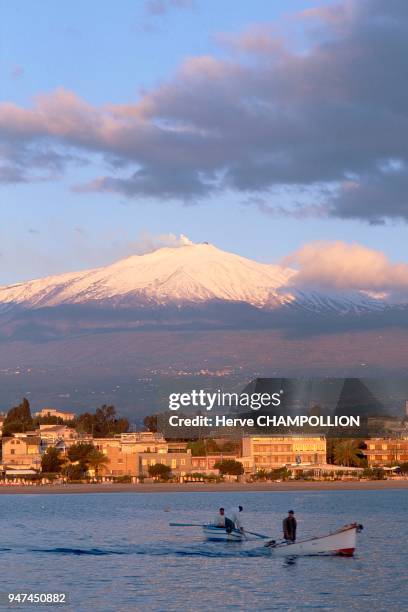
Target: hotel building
(386, 451)
(59, 414)
(270, 452)
(22, 451)
(131, 454)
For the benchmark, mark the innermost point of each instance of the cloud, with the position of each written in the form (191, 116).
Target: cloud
(147, 242)
(340, 267)
(328, 118)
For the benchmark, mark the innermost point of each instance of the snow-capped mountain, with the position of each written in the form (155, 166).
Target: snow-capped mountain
(192, 274)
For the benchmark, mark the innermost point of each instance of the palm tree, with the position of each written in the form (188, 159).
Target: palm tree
(96, 460)
(347, 453)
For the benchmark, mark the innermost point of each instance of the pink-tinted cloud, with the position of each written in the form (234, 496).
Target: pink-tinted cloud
(339, 266)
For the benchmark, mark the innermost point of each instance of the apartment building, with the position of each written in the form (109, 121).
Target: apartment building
(180, 463)
(132, 453)
(60, 414)
(269, 452)
(60, 436)
(22, 450)
(386, 451)
(205, 464)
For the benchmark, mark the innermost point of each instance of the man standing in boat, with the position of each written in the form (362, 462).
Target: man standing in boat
(289, 527)
(234, 516)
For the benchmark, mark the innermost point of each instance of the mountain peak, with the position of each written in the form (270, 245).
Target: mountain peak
(186, 273)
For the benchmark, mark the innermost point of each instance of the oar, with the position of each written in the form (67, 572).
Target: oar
(186, 525)
(258, 535)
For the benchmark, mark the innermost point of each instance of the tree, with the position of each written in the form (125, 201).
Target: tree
(103, 423)
(403, 467)
(150, 422)
(18, 419)
(79, 453)
(84, 456)
(49, 420)
(51, 461)
(106, 422)
(74, 471)
(159, 470)
(200, 448)
(375, 473)
(96, 460)
(347, 453)
(229, 466)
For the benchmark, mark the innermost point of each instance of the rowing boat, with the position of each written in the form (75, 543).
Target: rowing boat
(341, 542)
(213, 533)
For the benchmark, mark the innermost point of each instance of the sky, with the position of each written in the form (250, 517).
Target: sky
(261, 127)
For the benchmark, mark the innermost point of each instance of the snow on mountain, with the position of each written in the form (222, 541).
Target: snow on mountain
(188, 274)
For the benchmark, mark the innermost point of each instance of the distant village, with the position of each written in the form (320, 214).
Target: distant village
(59, 446)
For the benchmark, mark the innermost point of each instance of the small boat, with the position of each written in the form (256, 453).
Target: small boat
(213, 533)
(341, 542)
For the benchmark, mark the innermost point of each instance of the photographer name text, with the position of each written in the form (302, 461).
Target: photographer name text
(265, 421)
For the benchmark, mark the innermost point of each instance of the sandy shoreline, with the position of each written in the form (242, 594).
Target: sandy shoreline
(371, 485)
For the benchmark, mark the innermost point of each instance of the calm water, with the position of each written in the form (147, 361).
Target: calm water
(117, 552)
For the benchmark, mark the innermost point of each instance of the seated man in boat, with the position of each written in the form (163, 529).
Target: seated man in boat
(289, 525)
(222, 521)
(219, 520)
(235, 518)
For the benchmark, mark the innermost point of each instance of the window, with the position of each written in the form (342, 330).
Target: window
(13, 451)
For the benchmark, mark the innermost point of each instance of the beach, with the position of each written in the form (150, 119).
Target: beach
(191, 487)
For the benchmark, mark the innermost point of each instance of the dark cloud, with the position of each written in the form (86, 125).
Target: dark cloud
(25, 162)
(331, 120)
(375, 197)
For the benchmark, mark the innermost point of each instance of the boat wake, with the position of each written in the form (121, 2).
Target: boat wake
(202, 550)
(77, 551)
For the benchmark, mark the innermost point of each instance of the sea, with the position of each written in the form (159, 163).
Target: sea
(116, 551)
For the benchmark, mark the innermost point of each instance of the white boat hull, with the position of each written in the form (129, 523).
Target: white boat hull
(219, 534)
(342, 542)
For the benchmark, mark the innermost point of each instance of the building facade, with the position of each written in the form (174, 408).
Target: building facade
(386, 451)
(270, 452)
(131, 454)
(52, 412)
(205, 464)
(22, 450)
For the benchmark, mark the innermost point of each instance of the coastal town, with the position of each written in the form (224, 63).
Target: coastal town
(55, 446)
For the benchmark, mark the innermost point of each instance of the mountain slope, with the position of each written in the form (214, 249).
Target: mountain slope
(188, 274)
(192, 275)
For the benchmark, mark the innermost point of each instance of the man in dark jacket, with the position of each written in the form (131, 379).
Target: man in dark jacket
(289, 527)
